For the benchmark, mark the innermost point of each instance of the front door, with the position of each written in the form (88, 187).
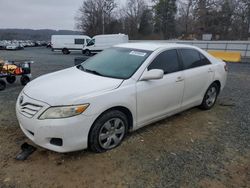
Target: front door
(157, 98)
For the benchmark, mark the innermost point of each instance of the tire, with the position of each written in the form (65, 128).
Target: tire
(2, 85)
(113, 126)
(24, 80)
(10, 79)
(87, 52)
(65, 51)
(210, 97)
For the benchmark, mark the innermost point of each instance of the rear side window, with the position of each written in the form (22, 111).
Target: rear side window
(167, 61)
(204, 60)
(192, 58)
(79, 41)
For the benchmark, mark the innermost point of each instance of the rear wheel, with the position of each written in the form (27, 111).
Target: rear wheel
(65, 51)
(108, 131)
(11, 79)
(24, 80)
(2, 85)
(210, 97)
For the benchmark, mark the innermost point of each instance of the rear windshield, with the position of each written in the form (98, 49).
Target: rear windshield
(119, 63)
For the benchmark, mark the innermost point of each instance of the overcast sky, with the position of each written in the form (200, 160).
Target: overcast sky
(38, 14)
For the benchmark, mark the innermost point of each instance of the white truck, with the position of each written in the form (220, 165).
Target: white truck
(101, 42)
(68, 43)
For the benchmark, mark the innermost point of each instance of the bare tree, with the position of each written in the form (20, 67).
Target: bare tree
(133, 13)
(95, 16)
(229, 19)
(106, 7)
(241, 19)
(186, 12)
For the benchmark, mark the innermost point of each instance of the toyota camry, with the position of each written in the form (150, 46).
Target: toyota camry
(95, 104)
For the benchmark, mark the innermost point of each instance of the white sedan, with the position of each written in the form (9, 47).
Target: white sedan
(14, 47)
(124, 88)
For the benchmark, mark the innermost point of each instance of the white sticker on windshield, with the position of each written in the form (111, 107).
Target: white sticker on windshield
(137, 53)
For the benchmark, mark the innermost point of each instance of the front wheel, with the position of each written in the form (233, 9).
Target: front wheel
(65, 51)
(210, 97)
(10, 79)
(2, 85)
(108, 131)
(24, 80)
(87, 52)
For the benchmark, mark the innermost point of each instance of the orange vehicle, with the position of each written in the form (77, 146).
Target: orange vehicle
(11, 69)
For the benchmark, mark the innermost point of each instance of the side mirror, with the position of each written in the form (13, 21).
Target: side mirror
(154, 74)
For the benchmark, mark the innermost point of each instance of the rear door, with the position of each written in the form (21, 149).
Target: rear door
(157, 98)
(198, 75)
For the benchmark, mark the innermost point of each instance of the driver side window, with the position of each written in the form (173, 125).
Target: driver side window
(167, 61)
(92, 42)
(88, 40)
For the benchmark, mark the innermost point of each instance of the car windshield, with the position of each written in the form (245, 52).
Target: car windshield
(119, 63)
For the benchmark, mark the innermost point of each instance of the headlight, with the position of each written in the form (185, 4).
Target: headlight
(63, 112)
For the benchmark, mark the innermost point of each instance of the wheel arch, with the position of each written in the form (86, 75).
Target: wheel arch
(122, 109)
(218, 83)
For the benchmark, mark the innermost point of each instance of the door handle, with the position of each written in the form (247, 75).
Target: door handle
(210, 70)
(179, 79)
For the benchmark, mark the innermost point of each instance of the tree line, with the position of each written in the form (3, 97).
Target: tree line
(31, 34)
(166, 19)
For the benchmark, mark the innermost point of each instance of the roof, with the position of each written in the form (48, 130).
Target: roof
(152, 46)
(109, 35)
(70, 36)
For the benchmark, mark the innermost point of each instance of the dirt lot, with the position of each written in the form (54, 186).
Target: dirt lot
(192, 149)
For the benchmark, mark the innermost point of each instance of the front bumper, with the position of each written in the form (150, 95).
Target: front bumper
(72, 131)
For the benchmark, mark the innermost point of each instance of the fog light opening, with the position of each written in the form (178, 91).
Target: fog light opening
(56, 141)
(31, 133)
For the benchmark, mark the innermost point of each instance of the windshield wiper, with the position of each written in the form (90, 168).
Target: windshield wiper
(81, 67)
(92, 71)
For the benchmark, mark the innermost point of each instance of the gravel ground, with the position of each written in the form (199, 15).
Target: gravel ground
(192, 149)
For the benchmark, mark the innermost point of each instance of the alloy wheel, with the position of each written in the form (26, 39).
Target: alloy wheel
(211, 96)
(112, 133)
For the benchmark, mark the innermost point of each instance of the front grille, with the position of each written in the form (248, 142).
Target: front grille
(29, 109)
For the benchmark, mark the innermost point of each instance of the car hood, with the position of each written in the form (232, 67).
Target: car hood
(69, 86)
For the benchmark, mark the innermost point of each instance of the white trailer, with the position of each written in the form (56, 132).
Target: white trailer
(101, 42)
(68, 43)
